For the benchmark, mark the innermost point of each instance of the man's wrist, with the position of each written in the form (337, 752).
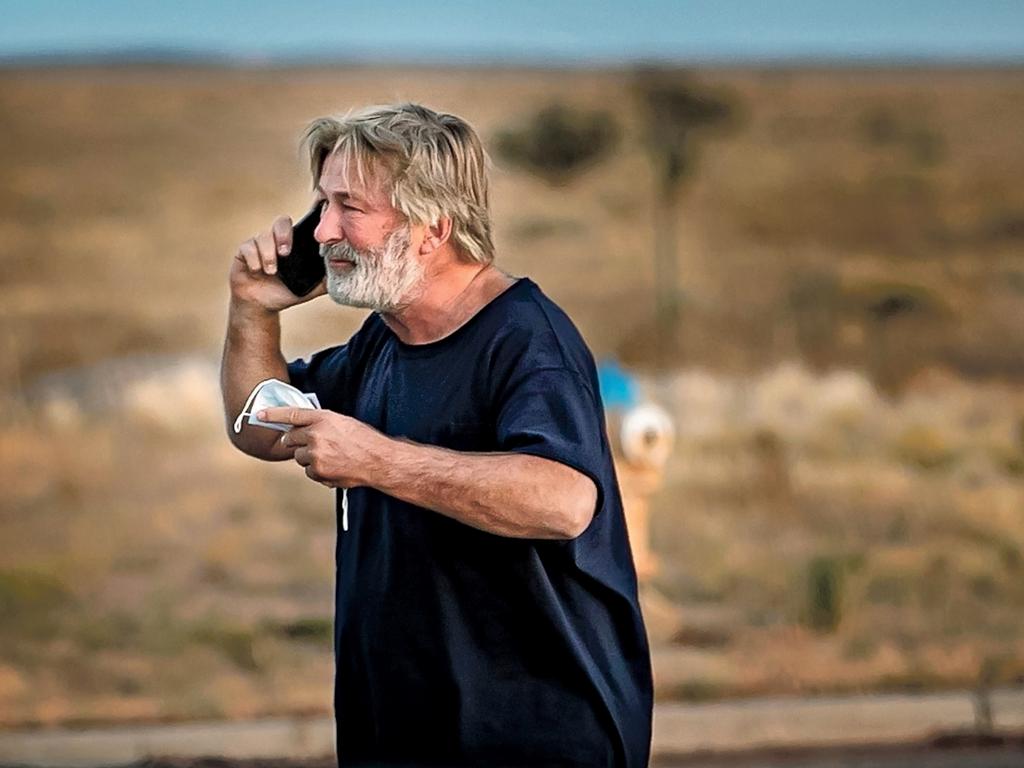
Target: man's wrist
(380, 454)
(246, 312)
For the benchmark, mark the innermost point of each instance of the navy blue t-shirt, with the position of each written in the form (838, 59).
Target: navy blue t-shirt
(454, 646)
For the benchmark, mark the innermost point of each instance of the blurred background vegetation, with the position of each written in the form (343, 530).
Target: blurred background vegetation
(819, 272)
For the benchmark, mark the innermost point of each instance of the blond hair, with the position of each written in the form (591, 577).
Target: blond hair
(434, 166)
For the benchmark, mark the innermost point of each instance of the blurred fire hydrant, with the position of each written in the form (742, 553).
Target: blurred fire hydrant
(641, 436)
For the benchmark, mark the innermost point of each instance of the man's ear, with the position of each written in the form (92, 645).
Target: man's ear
(436, 235)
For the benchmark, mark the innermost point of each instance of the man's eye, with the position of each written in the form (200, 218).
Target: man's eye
(349, 207)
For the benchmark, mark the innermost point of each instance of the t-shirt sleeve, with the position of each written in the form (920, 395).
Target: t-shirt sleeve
(325, 374)
(553, 413)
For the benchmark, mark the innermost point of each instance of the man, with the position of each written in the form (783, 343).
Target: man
(486, 600)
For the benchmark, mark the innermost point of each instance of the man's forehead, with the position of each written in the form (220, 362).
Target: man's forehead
(340, 177)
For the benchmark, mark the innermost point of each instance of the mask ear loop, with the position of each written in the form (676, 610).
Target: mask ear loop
(245, 408)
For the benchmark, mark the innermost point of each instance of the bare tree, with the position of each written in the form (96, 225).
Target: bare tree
(677, 114)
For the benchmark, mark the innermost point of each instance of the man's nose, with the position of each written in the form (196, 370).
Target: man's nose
(328, 230)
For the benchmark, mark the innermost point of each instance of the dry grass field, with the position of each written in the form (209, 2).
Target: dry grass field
(845, 505)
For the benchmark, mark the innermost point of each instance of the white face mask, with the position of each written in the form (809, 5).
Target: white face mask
(273, 393)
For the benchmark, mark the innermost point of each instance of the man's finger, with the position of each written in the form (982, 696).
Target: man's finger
(268, 252)
(282, 232)
(248, 252)
(303, 456)
(297, 417)
(295, 438)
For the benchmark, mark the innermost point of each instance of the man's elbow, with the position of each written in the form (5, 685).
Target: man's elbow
(265, 448)
(580, 507)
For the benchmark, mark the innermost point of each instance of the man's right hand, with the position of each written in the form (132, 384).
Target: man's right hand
(254, 279)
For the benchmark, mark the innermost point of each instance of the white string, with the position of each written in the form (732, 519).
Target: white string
(245, 408)
(344, 509)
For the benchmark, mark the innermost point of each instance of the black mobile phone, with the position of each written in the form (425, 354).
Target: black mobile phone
(303, 269)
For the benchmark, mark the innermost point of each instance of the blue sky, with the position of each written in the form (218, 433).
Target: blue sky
(567, 31)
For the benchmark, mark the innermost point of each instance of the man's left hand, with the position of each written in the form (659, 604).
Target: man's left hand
(334, 449)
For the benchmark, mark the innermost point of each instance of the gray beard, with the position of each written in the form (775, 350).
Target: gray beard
(384, 279)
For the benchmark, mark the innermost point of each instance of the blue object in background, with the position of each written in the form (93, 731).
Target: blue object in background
(619, 390)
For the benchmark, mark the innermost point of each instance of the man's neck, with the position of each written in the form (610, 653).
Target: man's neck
(449, 301)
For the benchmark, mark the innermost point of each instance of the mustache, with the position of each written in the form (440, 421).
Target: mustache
(340, 251)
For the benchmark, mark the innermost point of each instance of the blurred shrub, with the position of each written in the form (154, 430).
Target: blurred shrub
(815, 304)
(108, 631)
(937, 581)
(308, 628)
(906, 325)
(889, 588)
(926, 146)
(881, 127)
(984, 586)
(900, 326)
(772, 481)
(1010, 556)
(824, 597)
(702, 637)
(30, 601)
(694, 691)
(1005, 225)
(1008, 458)
(924, 447)
(534, 228)
(916, 679)
(886, 299)
(898, 530)
(236, 643)
(860, 648)
(559, 142)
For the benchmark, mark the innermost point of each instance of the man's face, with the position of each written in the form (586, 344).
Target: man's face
(385, 279)
(366, 245)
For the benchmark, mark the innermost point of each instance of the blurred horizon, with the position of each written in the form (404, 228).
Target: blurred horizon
(459, 33)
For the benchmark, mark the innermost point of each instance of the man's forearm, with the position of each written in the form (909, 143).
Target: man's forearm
(252, 353)
(508, 494)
